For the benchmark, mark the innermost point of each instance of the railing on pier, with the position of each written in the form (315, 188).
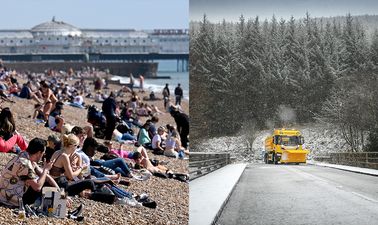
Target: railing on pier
(358, 159)
(202, 163)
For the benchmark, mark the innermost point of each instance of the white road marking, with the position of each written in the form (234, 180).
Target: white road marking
(364, 197)
(306, 174)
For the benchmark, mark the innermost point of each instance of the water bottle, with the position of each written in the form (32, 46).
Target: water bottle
(63, 193)
(21, 210)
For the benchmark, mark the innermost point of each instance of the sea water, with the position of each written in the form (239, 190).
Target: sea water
(157, 85)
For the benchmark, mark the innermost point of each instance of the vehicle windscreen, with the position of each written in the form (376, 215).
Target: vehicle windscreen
(289, 140)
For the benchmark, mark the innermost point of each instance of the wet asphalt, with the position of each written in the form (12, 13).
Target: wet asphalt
(302, 194)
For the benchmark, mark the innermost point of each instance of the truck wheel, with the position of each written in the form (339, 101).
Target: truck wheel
(266, 158)
(273, 158)
(275, 161)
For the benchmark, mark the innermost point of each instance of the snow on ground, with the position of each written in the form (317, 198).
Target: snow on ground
(319, 139)
(322, 140)
(235, 145)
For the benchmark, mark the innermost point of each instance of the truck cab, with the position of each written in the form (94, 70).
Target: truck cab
(285, 146)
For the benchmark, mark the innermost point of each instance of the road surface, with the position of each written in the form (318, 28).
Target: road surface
(302, 194)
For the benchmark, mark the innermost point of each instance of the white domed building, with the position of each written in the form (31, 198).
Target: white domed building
(55, 28)
(56, 37)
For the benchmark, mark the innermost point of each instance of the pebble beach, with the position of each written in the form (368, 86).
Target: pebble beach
(171, 196)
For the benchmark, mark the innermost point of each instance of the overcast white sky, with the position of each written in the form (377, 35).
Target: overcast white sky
(122, 14)
(231, 10)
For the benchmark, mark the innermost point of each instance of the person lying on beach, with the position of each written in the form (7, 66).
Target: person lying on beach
(139, 157)
(125, 89)
(4, 98)
(152, 97)
(158, 170)
(122, 137)
(9, 137)
(156, 111)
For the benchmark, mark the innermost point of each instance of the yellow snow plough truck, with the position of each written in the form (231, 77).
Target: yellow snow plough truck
(285, 146)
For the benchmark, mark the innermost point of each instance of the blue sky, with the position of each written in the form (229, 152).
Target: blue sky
(231, 10)
(121, 14)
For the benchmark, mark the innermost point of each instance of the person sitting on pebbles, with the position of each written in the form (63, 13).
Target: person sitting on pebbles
(143, 137)
(55, 119)
(23, 179)
(9, 137)
(49, 99)
(90, 145)
(158, 141)
(67, 167)
(118, 165)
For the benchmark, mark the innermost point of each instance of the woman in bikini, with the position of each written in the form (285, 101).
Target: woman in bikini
(68, 166)
(67, 170)
(172, 145)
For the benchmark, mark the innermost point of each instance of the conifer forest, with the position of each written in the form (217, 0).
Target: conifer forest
(243, 74)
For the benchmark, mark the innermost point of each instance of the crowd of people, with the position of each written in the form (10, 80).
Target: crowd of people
(70, 153)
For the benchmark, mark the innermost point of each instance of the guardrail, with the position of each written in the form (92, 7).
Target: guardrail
(202, 163)
(359, 159)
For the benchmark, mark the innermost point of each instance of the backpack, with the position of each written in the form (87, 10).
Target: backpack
(95, 116)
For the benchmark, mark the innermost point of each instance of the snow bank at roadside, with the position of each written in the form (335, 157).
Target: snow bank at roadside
(319, 139)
